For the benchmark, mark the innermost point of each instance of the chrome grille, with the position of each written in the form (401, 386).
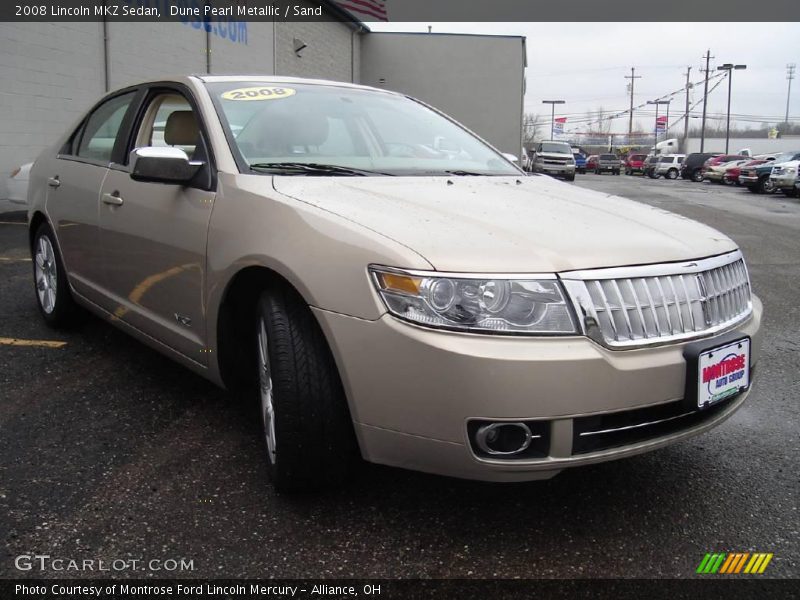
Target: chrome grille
(658, 303)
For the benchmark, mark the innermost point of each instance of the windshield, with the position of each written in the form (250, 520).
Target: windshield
(555, 147)
(784, 156)
(369, 131)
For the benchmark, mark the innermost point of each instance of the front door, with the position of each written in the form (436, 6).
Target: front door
(153, 235)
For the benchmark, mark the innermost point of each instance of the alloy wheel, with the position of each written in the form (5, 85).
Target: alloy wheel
(46, 274)
(265, 390)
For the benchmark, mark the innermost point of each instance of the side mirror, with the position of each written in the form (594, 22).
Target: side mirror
(512, 157)
(162, 165)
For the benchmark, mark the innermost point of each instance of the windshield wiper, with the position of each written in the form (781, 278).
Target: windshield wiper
(301, 168)
(465, 173)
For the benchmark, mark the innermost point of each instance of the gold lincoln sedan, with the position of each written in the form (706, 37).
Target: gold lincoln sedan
(385, 284)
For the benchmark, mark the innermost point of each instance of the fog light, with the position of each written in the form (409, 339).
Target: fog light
(504, 439)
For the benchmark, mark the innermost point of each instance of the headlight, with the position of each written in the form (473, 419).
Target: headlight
(791, 170)
(476, 303)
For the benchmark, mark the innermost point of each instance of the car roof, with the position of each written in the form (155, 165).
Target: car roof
(271, 79)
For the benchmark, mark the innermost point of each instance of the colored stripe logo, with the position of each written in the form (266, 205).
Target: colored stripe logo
(734, 563)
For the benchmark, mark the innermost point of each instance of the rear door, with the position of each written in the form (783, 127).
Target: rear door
(74, 182)
(153, 235)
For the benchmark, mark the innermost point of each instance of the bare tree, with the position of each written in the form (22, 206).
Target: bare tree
(531, 126)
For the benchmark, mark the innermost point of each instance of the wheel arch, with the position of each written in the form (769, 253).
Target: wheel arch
(37, 219)
(236, 310)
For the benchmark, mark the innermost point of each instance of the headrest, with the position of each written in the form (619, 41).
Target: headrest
(277, 133)
(181, 129)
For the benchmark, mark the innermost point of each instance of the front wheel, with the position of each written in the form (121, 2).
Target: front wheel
(697, 177)
(672, 174)
(569, 178)
(765, 186)
(50, 280)
(307, 428)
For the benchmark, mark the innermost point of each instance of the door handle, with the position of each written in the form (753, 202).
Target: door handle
(54, 182)
(113, 199)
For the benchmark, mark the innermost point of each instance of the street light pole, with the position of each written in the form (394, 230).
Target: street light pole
(553, 103)
(657, 103)
(730, 68)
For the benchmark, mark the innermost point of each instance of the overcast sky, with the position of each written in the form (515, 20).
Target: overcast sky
(585, 64)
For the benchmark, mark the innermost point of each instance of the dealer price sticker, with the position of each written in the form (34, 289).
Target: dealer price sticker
(723, 372)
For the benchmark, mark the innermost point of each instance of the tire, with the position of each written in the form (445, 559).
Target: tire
(569, 178)
(616, 172)
(672, 174)
(754, 189)
(792, 193)
(597, 171)
(306, 424)
(53, 296)
(697, 177)
(765, 186)
(628, 172)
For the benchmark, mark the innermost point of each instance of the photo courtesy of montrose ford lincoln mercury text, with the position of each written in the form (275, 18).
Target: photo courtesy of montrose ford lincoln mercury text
(387, 285)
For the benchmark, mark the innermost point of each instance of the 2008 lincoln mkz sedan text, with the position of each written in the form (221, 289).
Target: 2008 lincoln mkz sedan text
(385, 283)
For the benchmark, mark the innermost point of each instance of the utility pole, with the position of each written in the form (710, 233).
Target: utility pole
(708, 58)
(686, 116)
(633, 77)
(789, 75)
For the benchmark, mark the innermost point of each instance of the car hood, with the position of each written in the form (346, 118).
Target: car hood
(508, 224)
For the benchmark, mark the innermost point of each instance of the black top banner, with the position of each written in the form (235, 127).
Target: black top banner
(366, 11)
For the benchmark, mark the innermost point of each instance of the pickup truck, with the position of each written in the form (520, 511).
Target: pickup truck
(608, 162)
(757, 178)
(783, 177)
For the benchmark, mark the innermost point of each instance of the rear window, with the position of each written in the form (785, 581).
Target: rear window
(608, 157)
(638, 157)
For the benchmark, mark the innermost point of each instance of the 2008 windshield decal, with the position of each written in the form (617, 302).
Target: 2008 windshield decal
(259, 93)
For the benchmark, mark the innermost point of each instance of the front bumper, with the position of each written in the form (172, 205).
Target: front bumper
(413, 390)
(748, 179)
(783, 183)
(555, 169)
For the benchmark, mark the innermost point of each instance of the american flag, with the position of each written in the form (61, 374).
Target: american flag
(367, 10)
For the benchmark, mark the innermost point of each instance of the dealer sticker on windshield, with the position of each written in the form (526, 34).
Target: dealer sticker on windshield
(259, 93)
(723, 372)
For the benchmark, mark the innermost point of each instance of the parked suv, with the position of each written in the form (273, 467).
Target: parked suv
(634, 163)
(580, 160)
(608, 163)
(668, 166)
(554, 158)
(692, 165)
(649, 166)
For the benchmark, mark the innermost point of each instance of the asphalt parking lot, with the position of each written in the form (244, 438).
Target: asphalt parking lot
(108, 450)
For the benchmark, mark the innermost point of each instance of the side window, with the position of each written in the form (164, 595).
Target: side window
(170, 121)
(102, 126)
